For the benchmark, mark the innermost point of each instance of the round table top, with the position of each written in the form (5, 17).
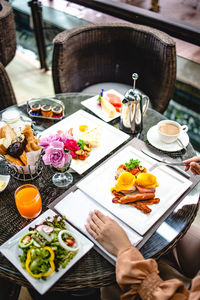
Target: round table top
(92, 270)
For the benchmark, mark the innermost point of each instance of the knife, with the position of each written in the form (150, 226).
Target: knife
(158, 158)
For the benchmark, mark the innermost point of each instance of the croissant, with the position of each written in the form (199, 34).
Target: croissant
(31, 140)
(23, 158)
(13, 160)
(28, 132)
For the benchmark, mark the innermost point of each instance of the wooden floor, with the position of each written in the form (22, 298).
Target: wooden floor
(181, 10)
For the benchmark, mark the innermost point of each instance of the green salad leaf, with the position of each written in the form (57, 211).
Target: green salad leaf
(81, 143)
(132, 164)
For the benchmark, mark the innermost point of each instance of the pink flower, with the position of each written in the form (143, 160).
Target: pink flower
(73, 154)
(55, 155)
(71, 145)
(46, 141)
(62, 137)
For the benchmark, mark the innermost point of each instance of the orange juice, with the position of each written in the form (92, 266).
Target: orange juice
(28, 201)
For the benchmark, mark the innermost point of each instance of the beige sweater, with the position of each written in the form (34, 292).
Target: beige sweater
(137, 276)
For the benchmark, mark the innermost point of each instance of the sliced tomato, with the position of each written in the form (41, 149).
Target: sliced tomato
(69, 242)
(118, 109)
(134, 171)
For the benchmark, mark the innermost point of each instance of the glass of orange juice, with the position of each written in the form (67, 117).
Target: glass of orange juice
(28, 201)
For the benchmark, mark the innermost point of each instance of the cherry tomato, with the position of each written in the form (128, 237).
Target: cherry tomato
(69, 242)
(122, 167)
(82, 157)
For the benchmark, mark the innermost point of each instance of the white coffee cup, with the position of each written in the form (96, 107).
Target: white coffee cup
(169, 131)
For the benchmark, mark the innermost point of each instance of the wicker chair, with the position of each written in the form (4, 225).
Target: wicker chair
(111, 52)
(7, 33)
(7, 52)
(7, 96)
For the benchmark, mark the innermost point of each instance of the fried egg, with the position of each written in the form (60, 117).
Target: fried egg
(147, 180)
(124, 182)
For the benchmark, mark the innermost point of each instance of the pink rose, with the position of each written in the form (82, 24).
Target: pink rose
(71, 145)
(46, 141)
(55, 155)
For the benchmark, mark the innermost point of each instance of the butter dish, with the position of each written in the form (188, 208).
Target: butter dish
(4, 180)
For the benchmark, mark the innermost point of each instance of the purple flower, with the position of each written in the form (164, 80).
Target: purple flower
(55, 155)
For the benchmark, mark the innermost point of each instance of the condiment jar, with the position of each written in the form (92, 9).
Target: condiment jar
(13, 119)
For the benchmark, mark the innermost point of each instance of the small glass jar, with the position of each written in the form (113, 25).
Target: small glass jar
(13, 119)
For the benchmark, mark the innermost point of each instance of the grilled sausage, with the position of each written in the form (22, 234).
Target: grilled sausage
(136, 197)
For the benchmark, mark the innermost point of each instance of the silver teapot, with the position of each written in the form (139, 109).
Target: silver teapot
(134, 107)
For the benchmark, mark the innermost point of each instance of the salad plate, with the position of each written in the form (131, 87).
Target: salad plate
(11, 250)
(108, 137)
(92, 104)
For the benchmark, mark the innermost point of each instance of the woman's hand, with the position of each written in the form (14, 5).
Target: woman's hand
(107, 232)
(194, 165)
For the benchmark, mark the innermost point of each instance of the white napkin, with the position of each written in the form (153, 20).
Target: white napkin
(76, 207)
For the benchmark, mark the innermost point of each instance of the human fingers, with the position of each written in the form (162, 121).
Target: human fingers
(193, 159)
(195, 168)
(96, 219)
(91, 231)
(187, 168)
(93, 226)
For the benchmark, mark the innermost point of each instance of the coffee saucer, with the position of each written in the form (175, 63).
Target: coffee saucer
(153, 138)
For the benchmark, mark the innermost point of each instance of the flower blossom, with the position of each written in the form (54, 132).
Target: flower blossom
(72, 146)
(55, 155)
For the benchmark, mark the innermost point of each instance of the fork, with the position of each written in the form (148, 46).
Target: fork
(167, 164)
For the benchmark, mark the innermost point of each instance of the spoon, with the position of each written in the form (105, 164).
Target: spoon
(181, 144)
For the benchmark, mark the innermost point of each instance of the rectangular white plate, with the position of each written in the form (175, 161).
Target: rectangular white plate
(98, 184)
(92, 104)
(11, 250)
(111, 137)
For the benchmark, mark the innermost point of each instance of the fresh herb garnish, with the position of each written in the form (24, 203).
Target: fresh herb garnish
(132, 164)
(100, 95)
(81, 144)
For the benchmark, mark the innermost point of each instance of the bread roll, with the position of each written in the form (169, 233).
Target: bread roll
(4, 144)
(107, 107)
(7, 132)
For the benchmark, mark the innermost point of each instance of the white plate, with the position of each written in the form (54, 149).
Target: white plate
(153, 138)
(5, 178)
(92, 104)
(171, 186)
(11, 250)
(111, 137)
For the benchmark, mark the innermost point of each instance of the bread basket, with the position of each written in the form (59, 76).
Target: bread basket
(24, 173)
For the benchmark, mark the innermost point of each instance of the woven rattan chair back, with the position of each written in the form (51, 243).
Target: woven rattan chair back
(111, 52)
(7, 96)
(7, 33)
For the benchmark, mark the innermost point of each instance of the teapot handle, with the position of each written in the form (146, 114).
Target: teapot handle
(146, 104)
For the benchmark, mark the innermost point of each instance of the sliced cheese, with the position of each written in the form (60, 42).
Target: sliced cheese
(107, 107)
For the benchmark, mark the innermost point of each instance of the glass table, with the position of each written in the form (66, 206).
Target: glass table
(92, 270)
